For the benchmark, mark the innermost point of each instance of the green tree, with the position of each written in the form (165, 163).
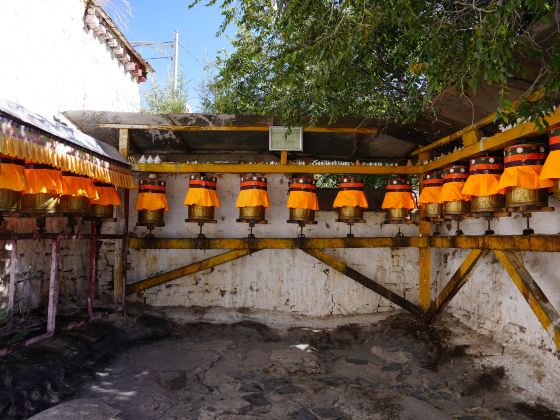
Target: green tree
(166, 100)
(382, 58)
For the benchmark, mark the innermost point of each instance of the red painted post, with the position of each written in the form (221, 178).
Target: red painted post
(91, 272)
(53, 288)
(12, 284)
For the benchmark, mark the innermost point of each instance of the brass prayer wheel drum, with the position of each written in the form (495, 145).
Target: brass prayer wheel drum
(40, 204)
(456, 208)
(151, 218)
(101, 211)
(200, 214)
(519, 197)
(433, 209)
(556, 187)
(74, 205)
(255, 214)
(487, 204)
(350, 214)
(397, 215)
(10, 200)
(305, 216)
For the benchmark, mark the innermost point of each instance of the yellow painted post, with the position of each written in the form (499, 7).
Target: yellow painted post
(283, 157)
(119, 271)
(424, 255)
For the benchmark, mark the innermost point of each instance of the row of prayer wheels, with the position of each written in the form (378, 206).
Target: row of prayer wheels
(492, 185)
(41, 190)
(252, 201)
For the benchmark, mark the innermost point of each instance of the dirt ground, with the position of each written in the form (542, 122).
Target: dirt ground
(397, 368)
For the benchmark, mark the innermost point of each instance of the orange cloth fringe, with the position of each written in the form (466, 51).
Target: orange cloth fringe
(302, 200)
(525, 177)
(398, 200)
(350, 198)
(77, 186)
(12, 177)
(203, 197)
(252, 198)
(452, 191)
(430, 195)
(43, 181)
(107, 196)
(482, 185)
(151, 201)
(551, 168)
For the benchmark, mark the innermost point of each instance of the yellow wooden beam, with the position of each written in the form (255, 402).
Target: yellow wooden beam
(233, 168)
(237, 128)
(381, 290)
(496, 142)
(532, 293)
(455, 283)
(481, 123)
(537, 243)
(186, 270)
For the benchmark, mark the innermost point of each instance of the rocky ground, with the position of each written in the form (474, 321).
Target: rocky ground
(397, 368)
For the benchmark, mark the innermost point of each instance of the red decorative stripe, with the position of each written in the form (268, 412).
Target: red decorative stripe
(151, 188)
(151, 191)
(353, 185)
(253, 187)
(255, 183)
(303, 187)
(532, 162)
(433, 181)
(398, 188)
(448, 180)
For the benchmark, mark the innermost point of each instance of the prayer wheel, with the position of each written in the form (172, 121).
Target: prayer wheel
(350, 200)
(551, 168)
(521, 178)
(12, 183)
(101, 211)
(482, 185)
(398, 200)
(302, 200)
(252, 200)
(432, 183)
(77, 190)
(200, 214)
(151, 202)
(201, 199)
(433, 210)
(75, 205)
(43, 189)
(454, 202)
(108, 198)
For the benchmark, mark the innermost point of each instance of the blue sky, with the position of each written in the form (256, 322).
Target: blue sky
(156, 21)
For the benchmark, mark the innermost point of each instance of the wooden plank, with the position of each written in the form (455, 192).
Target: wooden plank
(496, 142)
(532, 293)
(237, 128)
(53, 288)
(341, 267)
(186, 270)
(481, 123)
(455, 283)
(234, 168)
(124, 142)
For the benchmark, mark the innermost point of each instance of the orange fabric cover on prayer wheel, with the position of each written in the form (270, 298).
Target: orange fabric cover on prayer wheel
(107, 195)
(12, 173)
(484, 177)
(151, 195)
(551, 168)
(432, 184)
(398, 194)
(202, 191)
(78, 186)
(303, 194)
(350, 193)
(253, 192)
(454, 178)
(523, 165)
(41, 178)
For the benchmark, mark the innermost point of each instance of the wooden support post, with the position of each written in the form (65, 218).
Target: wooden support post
(532, 293)
(53, 288)
(455, 283)
(424, 255)
(341, 267)
(283, 157)
(124, 142)
(12, 284)
(91, 270)
(186, 270)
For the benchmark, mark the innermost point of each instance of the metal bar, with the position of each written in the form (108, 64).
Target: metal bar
(257, 128)
(91, 271)
(53, 288)
(235, 168)
(186, 270)
(539, 243)
(532, 293)
(496, 142)
(12, 284)
(455, 283)
(59, 236)
(363, 280)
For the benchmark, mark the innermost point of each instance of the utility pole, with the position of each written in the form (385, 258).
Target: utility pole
(175, 60)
